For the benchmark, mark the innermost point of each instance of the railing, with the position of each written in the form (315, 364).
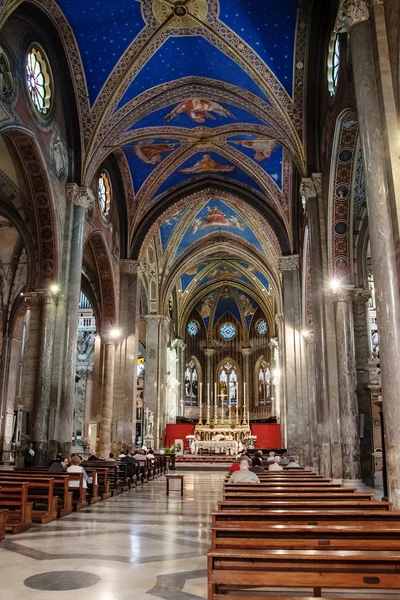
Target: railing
(261, 412)
(87, 323)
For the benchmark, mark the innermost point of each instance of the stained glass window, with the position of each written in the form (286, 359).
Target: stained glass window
(38, 80)
(227, 331)
(193, 328)
(333, 63)
(262, 327)
(191, 384)
(228, 384)
(104, 193)
(264, 384)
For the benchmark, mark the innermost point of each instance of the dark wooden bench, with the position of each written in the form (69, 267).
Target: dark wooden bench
(93, 494)
(61, 487)
(112, 474)
(234, 569)
(19, 511)
(309, 505)
(78, 493)
(231, 494)
(40, 494)
(3, 518)
(283, 485)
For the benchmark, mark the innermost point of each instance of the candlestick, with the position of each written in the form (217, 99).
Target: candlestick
(201, 403)
(215, 406)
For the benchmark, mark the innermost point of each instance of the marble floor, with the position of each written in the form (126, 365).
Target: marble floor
(137, 546)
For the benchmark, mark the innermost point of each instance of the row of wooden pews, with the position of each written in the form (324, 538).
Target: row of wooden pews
(28, 495)
(301, 530)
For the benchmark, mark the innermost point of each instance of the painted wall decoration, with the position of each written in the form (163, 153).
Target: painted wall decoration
(188, 277)
(267, 153)
(169, 225)
(150, 152)
(206, 164)
(199, 110)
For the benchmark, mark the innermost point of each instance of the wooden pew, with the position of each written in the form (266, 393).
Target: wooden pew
(93, 495)
(263, 506)
(19, 511)
(112, 474)
(79, 493)
(288, 485)
(102, 481)
(61, 487)
(3, 518)
(234, 569)
(40, 495)
(294, 494)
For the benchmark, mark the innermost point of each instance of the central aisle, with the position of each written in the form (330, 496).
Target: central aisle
(137, 546)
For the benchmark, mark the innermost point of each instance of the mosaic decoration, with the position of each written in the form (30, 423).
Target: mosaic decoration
(228, 331)
(262, 327)
(344, 156)
(193, 328)
(38, 80)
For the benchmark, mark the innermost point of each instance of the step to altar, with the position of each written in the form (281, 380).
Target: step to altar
(190, 462)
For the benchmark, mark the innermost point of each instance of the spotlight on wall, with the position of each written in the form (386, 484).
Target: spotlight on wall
(115, 333)
(334, 284)
(276, 373)
(305, 333)
(54, 288)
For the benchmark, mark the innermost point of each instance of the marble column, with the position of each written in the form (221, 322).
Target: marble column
(327, 415)
(31, 350)
(246, 352)
(349, 420)
(81, 198)
(279, 321)
(209, 384)
(296, 402)
(180, 350)
(309, 342)
(155, 375)
(88, 404)
(129, 322)
(108, 399)
(383, 236)
(275, 377)
(40, 416)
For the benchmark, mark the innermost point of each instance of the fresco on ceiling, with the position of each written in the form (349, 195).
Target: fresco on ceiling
(227, 303)
(224, 272)
(103, 33)
(248, 306)
(157, 118)
(206, 164)
(262, 279)
(169, 225)
(187, 169)
(266, 152)
(199, 110)
(269, 28)
(213, 217)
(206, 306)
(189, 56)
(145, 155)
(187, 278)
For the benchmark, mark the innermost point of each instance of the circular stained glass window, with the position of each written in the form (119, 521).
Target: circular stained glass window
(104, 193)
(228, 331)
(333, 63)
(193, 328)
(262, 327)
(38, 80)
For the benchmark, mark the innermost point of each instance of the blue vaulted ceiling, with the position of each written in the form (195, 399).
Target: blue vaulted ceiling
(158, 84)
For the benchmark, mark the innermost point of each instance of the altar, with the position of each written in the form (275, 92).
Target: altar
(221, 447)
(237, 433)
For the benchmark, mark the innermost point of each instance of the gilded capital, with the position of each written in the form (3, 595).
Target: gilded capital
(129, 267)
(79, 196)
(289, 263)
(246, 351)
(209, 351)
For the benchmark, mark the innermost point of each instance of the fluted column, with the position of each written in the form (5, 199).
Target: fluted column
(296, 402)
(81, 198)
(383, 237)
(349, 421)
(126, 360)
(209, 385)
(180, 351)
(108, 398)
(309, 342)
(40, 417)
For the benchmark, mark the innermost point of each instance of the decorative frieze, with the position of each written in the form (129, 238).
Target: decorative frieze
(129, 267)
(289, 263)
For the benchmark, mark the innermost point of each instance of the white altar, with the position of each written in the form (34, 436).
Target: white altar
(223, 446)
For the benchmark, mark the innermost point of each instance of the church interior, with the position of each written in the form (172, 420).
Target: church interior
(199, 271)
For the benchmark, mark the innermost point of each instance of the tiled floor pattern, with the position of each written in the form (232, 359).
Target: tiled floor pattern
(137, 546)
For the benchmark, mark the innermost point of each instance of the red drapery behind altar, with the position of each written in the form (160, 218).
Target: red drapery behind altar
(268, 436)
(177, 432)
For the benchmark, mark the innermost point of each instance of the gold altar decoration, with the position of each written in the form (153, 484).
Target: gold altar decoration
(206, 433)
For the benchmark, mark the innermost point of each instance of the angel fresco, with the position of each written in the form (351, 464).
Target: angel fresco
(206, 306)
(216, 218)
(263, 149)
(208, 165)
(151, 153)
(247, 306)
(199, 109)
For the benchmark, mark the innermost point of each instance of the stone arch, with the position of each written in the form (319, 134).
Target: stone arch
(106, 280)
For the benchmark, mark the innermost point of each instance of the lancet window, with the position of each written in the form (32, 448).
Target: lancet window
(191, 384)
(264, 384)
(228, 381)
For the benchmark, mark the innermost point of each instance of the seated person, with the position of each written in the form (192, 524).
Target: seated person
(244, 475)
(127, 458)
(271, 457)
(59, 465)
(275, 466)
(293, 464)
(91, 457)
(150, 453)
(285, 459)
(257, 465)
(111, 457)
(76, 468)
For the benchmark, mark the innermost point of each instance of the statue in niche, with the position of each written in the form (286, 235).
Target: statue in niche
(85, 345)
(58, 151)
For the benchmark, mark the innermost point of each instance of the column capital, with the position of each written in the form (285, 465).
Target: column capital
(353, 12)
(361, 295)
(209, 351)
(307, 189)
(273, 342)
(178, 343)
(343, 293)
(289, 263)
(309, 339)
(129, 267)
(247, 351)
(157, 319)
(40, 297)
(80, 195)
(279, 318)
